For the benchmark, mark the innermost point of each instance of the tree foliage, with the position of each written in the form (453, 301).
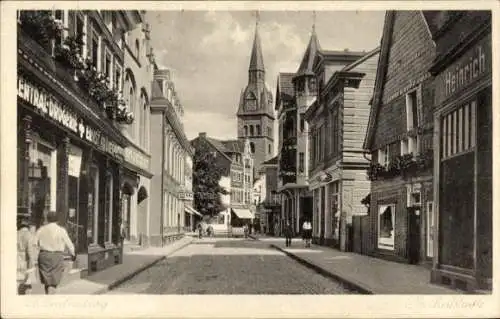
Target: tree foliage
(206, 177)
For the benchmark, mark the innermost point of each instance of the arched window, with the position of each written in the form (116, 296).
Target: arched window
(251, 130)
(144, 128)
(245, 129)
(258, 130)
(252, 147)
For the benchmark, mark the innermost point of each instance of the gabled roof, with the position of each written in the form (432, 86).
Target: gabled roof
(284, 88)
(306, 66)
(256, 59)
(383, 58)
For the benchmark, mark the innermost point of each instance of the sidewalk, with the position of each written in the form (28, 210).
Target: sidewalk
(133, 263)
(366, 274)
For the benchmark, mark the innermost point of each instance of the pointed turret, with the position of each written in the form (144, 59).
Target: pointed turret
(256, 60)
(306, 66)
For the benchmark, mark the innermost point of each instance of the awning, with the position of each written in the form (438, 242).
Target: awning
(190, 210)
(243, 213)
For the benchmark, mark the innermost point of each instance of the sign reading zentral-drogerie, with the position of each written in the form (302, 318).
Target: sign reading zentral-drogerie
(48, 105)
(468, 69)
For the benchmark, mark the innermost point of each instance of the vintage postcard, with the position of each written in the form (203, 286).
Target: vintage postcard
(249, 159)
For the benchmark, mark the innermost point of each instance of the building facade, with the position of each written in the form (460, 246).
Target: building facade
(70, 147)
(286, 107)
(168, 160)
(338, 120)
(463, 138)
(255, 111)
(235, 159)
(138, 73)
(399, 139)
(270, 204)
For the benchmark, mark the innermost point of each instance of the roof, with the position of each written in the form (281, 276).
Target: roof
(256, 59)
(284, 89)
(379, 78)
(363, 59)
(272, 161)
(306, 66)
(234, 146)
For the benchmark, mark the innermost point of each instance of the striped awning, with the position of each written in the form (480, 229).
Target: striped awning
(190, 210)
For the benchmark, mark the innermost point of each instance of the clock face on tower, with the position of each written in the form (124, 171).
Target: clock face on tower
(251, 105)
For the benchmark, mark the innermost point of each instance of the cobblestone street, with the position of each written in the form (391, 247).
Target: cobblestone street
(229, 266)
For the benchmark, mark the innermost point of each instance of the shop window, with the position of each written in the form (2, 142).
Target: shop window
(108, 207)
(386, 223)
(93, 201)
(42, 179)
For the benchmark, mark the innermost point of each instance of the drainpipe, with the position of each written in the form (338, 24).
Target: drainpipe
(364, 155)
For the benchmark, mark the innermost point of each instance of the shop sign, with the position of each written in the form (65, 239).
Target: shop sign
(473, 65)
(50, 106)
(183, 195)
(46, 104)
(136, 158)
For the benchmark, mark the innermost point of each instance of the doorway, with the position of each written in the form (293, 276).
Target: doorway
(413, 243)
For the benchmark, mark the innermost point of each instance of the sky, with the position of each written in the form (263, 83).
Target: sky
(209, 53)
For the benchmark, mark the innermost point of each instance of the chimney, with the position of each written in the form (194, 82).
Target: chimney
(202, 134)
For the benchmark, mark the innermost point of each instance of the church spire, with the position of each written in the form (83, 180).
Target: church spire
(256, 60)
(306, 66)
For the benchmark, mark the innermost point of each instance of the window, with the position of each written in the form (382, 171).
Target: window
(301, 162)
(252, 145)
(259, 133)
(411, 110)
(404, 146)
(302, 123)
(245, 129)
(386, 222)
(269, 131)
(335, 139)
(59, 15)
(458, 130)
(107, 67)
(251, 130)
(94, 51)
(383, 156)
(93, 201)
(118, 77)
(269, 149)
(74, 168)
(79, 31)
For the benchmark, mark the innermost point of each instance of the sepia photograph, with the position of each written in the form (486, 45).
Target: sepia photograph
(248, 151)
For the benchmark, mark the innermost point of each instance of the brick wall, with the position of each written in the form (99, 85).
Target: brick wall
(410, 55)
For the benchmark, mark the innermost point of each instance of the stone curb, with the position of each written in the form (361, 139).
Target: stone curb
(135, 272)
(349, 284)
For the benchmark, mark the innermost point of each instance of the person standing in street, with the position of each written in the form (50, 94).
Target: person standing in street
(52, 241)
(288, 234)
(25, 256)
(307, 232)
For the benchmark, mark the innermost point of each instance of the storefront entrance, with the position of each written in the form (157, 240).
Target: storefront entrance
(413, 243)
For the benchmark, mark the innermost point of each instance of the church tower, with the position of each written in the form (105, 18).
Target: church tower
(255, 112)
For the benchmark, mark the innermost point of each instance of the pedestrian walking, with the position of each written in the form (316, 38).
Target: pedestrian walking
(307, 232)
(52, 241)
(25, 256)
(288, 234)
